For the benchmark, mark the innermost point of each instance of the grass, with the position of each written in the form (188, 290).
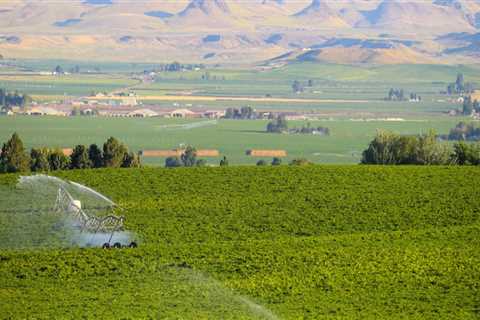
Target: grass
(318, 242)
(231, 137)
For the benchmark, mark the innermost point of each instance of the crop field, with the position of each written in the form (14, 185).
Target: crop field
(317, 242)
(231, 137)
(333, 84)
(52, 87)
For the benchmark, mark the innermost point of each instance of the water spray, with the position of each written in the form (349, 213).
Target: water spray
(45, 211)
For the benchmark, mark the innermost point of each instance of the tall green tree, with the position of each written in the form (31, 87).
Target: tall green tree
(58, 160)
(460, 83)
(39, 159)
(13, 157)
(131, 160)
(113, 153)
(79, 158)
(466, 153)
(189, 157)
(95, 155)
(430, 152)
(467, 106)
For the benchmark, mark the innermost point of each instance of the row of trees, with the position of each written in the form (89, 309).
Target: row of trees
(308, 129)
(15, 158)
(464, 131)
(393, 149)
(299, 87)
(460, 86)
(399, 95)
(11, 99)
(188, 159)
(244, 113)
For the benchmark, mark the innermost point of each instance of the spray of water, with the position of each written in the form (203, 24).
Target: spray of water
(93, 192)
(205, 296)
(28, 218)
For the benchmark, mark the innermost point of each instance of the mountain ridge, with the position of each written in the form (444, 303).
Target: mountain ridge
(247, 31)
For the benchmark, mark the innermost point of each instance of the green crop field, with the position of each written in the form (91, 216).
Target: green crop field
(231, 137)
(317, 242)
(331, 82)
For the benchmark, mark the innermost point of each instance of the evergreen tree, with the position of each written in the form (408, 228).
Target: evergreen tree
(39, 159)
(95, 156)
(189, 157)
(79, 159)
(113, 153)
(13, 157)
(131, 160)
(459, 83)
(58, 160)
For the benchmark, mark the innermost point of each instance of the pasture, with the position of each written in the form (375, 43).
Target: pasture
(348, 138)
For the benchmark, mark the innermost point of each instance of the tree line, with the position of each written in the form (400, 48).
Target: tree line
(114, 154)
(388, 148)
(13, 99)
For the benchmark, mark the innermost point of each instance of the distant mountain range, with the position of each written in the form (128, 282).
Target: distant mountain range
(243, 31)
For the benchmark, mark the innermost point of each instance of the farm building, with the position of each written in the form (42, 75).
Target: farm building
(266, 153)
(45, 111)
(214, 114)
(183, 113)
(142, 113)
(177, 153)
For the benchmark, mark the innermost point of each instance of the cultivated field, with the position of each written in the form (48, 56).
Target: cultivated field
(231, 137)
(347, 89)
(264, 243)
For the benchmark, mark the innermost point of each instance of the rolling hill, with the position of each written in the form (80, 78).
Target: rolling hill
(245, 31)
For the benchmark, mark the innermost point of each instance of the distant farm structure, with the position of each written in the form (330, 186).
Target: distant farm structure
(266, 153)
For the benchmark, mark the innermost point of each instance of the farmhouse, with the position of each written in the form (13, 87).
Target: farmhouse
(266, 153)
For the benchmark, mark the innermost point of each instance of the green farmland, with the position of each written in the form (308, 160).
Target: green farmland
(231, 137)
(330, 82)
(319, 242)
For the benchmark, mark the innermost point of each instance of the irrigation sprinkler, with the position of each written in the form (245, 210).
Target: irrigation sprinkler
(109, 224)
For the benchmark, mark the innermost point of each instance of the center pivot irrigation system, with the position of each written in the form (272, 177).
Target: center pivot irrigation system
(90, 223)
